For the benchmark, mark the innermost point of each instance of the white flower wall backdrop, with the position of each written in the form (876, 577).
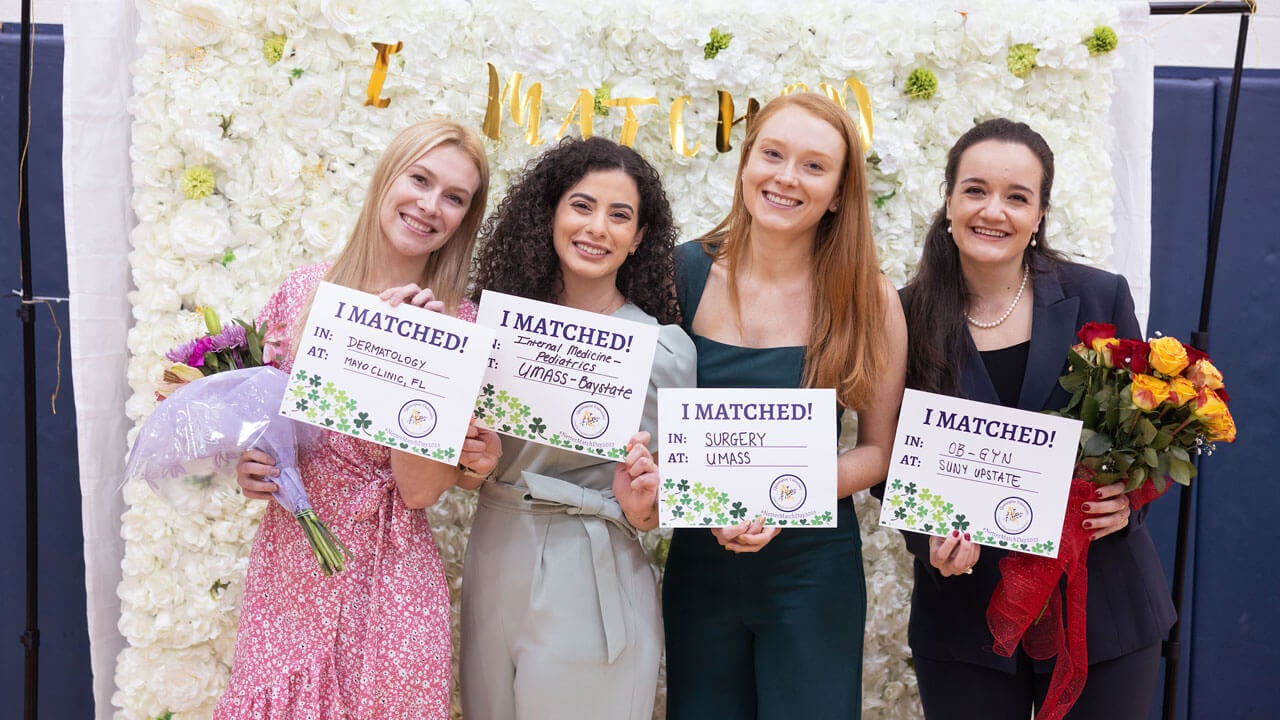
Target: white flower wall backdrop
(253, 144)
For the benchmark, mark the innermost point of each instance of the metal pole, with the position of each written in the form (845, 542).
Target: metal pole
(31, 637)
(1200, 339)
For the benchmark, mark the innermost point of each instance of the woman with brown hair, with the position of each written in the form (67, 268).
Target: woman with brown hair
(992, 311)
(786, 292)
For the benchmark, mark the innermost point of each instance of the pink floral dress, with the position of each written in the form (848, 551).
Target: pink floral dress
(371, 642)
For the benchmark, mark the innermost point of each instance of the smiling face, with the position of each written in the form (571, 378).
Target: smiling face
(596, 225)
(426, 203)
(995, 206)
(792, 176)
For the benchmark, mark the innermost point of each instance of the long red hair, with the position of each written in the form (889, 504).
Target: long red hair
(845, 350)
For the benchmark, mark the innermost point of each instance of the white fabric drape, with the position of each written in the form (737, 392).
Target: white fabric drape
(1132, 111)
(99, 41)
(100, 47)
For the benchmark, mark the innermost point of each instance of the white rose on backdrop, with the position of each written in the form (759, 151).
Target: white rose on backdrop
(987, 32)
(351, 17)
(312, 102)
(188, 678)
(197, 23)
(539, 48)
(277, 173)
(211, 285)
(198, 232)
(325, 225)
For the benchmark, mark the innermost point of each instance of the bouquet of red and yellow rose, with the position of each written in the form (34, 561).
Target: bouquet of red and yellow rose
(1146, 407)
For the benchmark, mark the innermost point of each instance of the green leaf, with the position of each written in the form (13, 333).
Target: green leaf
(1150, 457)
(1161, 440)
(1089, 411)
(1097, 445)
(1181, 471)
(1146, 432)
(1136, 478)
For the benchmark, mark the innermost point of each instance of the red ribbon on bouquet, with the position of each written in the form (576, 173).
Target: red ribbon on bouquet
(1026, 606)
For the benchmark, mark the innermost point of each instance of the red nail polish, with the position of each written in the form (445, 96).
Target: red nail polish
(966, 536)
(1099, 493)
(1086, 507)
(955, 533)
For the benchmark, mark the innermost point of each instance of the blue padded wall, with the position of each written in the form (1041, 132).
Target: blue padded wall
(64, 674)
(1231, 612)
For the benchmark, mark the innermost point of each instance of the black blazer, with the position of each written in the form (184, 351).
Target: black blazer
(1130, 605)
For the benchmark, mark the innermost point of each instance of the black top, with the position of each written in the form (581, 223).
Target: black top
(1006, 367)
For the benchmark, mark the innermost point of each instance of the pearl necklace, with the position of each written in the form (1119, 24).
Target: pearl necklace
(1026, 271)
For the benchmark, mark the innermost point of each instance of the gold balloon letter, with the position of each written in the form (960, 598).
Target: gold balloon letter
(526, 111)
(385, 51)
(679, 142)
(726, 121)
(492, 126)
(860, 96)
(630, 123)
(585, 107)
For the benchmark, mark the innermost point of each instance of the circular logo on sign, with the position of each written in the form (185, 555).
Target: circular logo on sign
(417, 418)
(590, 419)
(1013, 515)
(787, 493)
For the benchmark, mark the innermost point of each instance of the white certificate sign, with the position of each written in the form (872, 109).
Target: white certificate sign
(1000, 474)
(567, 378)
(403, 377)
(728, 455)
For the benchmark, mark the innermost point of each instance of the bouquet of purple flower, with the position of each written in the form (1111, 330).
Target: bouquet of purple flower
(233, 346)
(222, 397)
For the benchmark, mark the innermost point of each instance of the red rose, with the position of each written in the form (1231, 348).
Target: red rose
(1131, 354)
(1095, 331)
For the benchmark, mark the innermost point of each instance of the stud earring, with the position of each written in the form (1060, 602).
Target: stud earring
(948, 228)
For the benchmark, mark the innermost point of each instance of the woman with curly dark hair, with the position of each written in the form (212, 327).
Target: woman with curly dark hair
(559, 610)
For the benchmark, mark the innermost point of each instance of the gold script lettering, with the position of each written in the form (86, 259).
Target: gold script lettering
(379, 74)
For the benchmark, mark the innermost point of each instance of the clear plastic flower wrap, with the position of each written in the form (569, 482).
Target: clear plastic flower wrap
(203, 427)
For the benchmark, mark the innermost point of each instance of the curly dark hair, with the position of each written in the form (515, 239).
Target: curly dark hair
(516, 254)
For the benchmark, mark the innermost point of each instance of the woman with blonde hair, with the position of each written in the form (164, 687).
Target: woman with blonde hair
(786, 292)
(374, 640)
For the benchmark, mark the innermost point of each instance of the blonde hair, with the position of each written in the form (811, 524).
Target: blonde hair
(446, 269)
(845, 349)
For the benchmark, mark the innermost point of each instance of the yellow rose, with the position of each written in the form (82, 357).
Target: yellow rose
(1148, 391)
(1168, 356)
(1181, 391)
(1204, 374)
(1209, 406)
(1222, 428)
(1103, 346)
